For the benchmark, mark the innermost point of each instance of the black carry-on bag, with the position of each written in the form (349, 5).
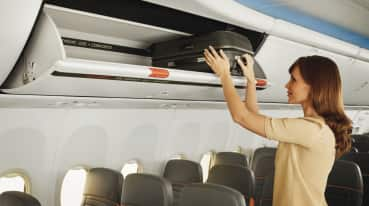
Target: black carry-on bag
(188, 53)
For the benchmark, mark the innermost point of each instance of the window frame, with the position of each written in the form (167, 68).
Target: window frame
(21, 173)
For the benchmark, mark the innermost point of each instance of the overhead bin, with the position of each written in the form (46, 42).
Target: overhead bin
(15, 27)
(77, 53)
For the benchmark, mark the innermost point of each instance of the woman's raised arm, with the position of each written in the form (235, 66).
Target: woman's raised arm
(240, 112)
(248, 71)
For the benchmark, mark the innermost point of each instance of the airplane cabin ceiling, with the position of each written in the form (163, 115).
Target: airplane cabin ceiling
(352, 14)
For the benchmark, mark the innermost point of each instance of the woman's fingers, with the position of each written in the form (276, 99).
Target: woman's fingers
(249, 59)
(222, 54)
(213, 52)
(207, 60)
(217, 62)
(241, 63)
(208, 56)
(248, 69)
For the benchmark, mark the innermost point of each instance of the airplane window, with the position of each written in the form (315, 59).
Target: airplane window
(130, 167)
(178, 157)
(205, 163)
(14, 181)
(73, 186)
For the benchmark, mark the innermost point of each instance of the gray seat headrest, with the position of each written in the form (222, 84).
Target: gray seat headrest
(147, 190)
(210, 195)
(15, 198)
(231, 158)
(239, 178)
(103, 184)
(183, 171)
(263, 161)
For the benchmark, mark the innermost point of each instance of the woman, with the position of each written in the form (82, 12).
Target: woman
(308, 145)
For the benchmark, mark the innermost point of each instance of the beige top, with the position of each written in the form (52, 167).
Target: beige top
(304, 158)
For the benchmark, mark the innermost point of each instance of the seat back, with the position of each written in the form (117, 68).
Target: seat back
(361, 142)
(361, 159)
(262, 155)
(266, 197)
(146, 190)
(15, 198)
(231, 158)
(103, 187)
(262, 165)
(345, 185)
(181, 172)
(210, 195)
(239, 178)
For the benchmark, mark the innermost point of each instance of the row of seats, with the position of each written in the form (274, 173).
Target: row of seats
(254, 184)
(103, 186)
(348, 182)
(180, 185)
(158, 191)
(103, 189)
(230, 169)
(145, 190)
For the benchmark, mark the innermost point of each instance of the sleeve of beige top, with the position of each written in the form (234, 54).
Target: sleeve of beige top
(292, 130)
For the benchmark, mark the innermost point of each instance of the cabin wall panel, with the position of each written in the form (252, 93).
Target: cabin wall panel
(195, 131)
(28, 142)
(139, 134)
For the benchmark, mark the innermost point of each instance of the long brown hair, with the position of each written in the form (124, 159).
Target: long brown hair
(322, 74)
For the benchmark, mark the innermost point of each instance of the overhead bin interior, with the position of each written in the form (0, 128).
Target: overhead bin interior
(101, 51)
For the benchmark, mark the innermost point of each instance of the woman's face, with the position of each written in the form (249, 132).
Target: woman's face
(297, 89)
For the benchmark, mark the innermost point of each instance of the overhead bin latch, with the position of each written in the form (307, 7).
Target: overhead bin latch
(29, 74)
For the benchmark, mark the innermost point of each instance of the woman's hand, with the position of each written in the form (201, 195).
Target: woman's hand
(219, 63)
(248, 68)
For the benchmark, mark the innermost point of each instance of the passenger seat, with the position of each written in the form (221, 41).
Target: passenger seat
(266, 197)
(231, 158)
(180, 173)
(262, 165)
(362, 159)
(15, 198)
(146, 190)
(210, 195)
(345, 185)
(239, 178)
(103, 187)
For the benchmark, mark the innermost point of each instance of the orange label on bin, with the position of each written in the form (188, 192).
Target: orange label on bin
(261, 82)
(159, 73)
